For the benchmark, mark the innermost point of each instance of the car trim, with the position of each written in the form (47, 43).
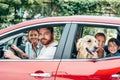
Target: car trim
(6, 39)
(69, 42)
(30, 26)
(96, 23)
(25, 60)
(63, 40)
(93, 59)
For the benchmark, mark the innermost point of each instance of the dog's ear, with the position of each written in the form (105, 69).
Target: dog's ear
(78, 45)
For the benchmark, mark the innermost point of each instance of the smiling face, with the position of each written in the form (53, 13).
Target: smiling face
(33, 36)
(113, 47)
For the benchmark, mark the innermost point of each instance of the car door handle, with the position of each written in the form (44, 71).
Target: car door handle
(45, 75)
(116, 76)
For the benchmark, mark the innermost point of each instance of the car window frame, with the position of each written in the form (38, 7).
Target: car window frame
(62, 43)
(67, 55)
(36, 26)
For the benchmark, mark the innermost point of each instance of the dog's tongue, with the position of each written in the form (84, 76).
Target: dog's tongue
(91, 52)
(94, 52)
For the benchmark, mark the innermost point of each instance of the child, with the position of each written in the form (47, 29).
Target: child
(101, 42)
(113, 47)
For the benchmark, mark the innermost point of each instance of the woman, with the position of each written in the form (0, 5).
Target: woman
(32, 48)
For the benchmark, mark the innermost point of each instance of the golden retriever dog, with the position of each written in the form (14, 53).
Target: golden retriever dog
(87, 47)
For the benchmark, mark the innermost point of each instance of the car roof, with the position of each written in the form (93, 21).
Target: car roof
(83, 18)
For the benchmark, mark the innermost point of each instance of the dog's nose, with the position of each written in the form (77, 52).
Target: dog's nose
(95, 47)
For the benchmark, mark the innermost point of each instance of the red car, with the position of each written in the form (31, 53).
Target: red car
(65, 65)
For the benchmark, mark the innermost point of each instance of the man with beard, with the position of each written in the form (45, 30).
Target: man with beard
(46, 37)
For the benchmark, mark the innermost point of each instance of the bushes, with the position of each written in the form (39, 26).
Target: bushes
(10, 9)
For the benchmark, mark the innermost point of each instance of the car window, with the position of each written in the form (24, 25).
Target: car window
(20, 41)
(92, 30)
(109, 32)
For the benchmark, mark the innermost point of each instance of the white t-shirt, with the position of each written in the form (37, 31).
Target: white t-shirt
(48, 52)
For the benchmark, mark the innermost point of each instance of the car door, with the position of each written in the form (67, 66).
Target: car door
(72, 68)
(26, 69)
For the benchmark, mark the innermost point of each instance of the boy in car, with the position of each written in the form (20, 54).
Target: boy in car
(101, 42)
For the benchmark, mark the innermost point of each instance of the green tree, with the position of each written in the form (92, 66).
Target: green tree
(12, 11)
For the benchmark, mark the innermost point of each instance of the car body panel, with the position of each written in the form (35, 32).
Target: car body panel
(88, 69)
(62, 67)
(22, 70)
(30, 69)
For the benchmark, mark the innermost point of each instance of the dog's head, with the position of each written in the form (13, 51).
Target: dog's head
(88, 43)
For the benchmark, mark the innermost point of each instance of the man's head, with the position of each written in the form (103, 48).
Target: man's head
(101, 39)
(46, 36)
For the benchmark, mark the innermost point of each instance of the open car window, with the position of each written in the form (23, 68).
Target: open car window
(109, 32)
(84, 30)
(19, 38)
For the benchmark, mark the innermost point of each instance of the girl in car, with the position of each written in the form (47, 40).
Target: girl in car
(113, 47)
(32, 48)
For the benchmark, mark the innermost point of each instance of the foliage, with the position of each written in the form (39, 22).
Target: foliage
(15, 11)
(79, 7)
(12, 11)
(88, 7)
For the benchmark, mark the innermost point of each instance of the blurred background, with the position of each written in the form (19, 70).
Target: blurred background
(16, 11)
